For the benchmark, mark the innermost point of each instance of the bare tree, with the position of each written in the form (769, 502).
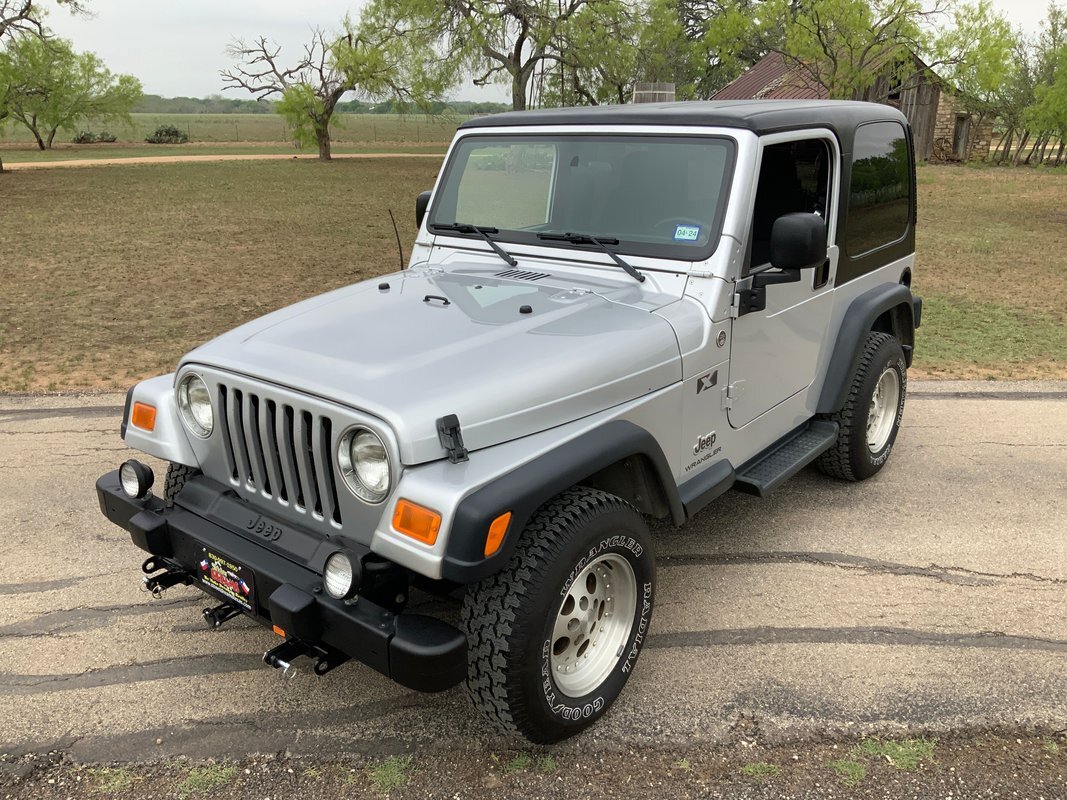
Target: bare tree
(26, 16)
(376, 60)
(314, 82)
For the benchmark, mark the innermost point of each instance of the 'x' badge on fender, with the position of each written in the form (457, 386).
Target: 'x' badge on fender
(707, 381)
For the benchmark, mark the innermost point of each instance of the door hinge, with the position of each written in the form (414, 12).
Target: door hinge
(451, 438)
(735, 305)
(731, 392)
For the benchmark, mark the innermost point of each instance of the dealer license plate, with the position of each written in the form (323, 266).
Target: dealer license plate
(224, 576)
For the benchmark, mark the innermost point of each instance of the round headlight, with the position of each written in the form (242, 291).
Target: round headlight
(364, 464)
(338, 577)
(194, 403)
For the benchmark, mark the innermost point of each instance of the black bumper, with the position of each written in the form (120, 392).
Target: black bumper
(417, 651)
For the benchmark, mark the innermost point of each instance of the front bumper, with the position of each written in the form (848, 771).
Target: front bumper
(415, 650)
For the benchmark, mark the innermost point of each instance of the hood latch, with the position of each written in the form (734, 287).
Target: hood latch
(451, 438)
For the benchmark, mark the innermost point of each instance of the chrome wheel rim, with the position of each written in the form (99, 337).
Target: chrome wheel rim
(883, 411)
(593, 625)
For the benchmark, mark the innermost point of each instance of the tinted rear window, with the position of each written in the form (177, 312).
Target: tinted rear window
(880, 189)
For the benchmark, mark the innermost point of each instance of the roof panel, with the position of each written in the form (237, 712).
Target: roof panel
(760, 116)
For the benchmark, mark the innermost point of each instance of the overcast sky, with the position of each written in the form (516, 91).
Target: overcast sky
(178, 48)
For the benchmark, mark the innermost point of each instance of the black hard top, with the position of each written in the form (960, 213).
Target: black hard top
(759, 116)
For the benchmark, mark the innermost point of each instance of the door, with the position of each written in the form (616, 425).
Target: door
(774, 351)
(960, 135)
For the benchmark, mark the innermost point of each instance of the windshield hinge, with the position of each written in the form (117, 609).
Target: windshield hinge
(735, 305)
(451, 438)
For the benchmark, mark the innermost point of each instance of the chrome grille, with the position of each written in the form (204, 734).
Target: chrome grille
(280, 451)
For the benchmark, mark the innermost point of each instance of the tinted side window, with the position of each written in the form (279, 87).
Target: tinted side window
(880, 190)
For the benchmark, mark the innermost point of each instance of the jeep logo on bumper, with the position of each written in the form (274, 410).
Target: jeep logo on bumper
(265, 529)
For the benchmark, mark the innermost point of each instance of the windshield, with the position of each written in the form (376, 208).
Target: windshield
(661, 196)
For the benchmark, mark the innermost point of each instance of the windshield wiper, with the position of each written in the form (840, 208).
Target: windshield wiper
(602, 243)
(483, 231)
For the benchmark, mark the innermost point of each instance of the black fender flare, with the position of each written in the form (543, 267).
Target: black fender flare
(527, 487)
(858, 321)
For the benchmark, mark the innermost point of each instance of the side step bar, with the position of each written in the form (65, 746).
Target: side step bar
(772, 468)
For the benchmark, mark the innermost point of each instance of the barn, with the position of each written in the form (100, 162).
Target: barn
(943, 128)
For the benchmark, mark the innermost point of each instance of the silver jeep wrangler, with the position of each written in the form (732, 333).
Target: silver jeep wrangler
(610, 314)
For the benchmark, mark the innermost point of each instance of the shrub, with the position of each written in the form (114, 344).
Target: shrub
(168, 134)
(88, 137)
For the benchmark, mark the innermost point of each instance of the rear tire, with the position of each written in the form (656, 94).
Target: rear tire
(177, 475)
(554, 636)
(870, 419)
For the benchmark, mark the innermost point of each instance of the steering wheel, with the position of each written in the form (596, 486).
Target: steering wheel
(680, 220)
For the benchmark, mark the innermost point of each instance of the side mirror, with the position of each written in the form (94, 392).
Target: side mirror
(421, 203)
(798, 241)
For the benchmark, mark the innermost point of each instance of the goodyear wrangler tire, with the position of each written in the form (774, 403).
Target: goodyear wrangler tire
(870, 418)
(554, 636)
(177, 475)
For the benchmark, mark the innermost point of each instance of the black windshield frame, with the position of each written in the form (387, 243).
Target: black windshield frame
(679, 252)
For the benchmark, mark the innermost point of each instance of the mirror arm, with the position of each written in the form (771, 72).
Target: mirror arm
(762, 279)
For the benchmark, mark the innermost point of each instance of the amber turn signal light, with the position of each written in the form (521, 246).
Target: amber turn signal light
(416, 521)
(143, 416)
(279, 631)
(497, 530)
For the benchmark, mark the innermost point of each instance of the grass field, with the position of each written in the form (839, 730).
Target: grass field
(111, 274)
(20, 154)
(992, 268)
(394, 128)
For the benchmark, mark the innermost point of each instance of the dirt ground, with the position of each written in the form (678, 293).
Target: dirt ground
(977, 765)
(194, 158)
(111, 275)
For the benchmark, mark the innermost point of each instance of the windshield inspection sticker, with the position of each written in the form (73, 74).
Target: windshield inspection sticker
(686, 233)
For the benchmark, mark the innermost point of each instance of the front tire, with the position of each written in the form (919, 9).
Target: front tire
(554, 636)
(870, 419)
(177, 475)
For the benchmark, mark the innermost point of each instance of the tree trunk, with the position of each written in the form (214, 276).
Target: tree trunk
(1022, 146)
(1059, 153)
(51, 138)
(1030, 156)
(518, 93)
(1005, 148)
(322, 136)
(1, 166)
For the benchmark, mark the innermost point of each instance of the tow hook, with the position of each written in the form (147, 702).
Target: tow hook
(157, 584)
(281, 657)
(214, 617)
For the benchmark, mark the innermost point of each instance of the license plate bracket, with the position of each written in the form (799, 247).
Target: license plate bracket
(229, 579)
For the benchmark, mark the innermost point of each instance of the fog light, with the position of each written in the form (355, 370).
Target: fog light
(341, 576)
(136, 479)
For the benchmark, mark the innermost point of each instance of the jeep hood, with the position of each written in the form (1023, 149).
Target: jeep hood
(508, 357)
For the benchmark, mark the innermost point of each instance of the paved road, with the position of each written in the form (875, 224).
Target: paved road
(933, 597)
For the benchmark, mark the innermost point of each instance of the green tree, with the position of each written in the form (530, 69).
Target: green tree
(841, 46)
(845, 46)
(374, 59)
(505, 41)
(608, 49)
(1048, 114)
(52, 87)
(8, 87)
(727, 37)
